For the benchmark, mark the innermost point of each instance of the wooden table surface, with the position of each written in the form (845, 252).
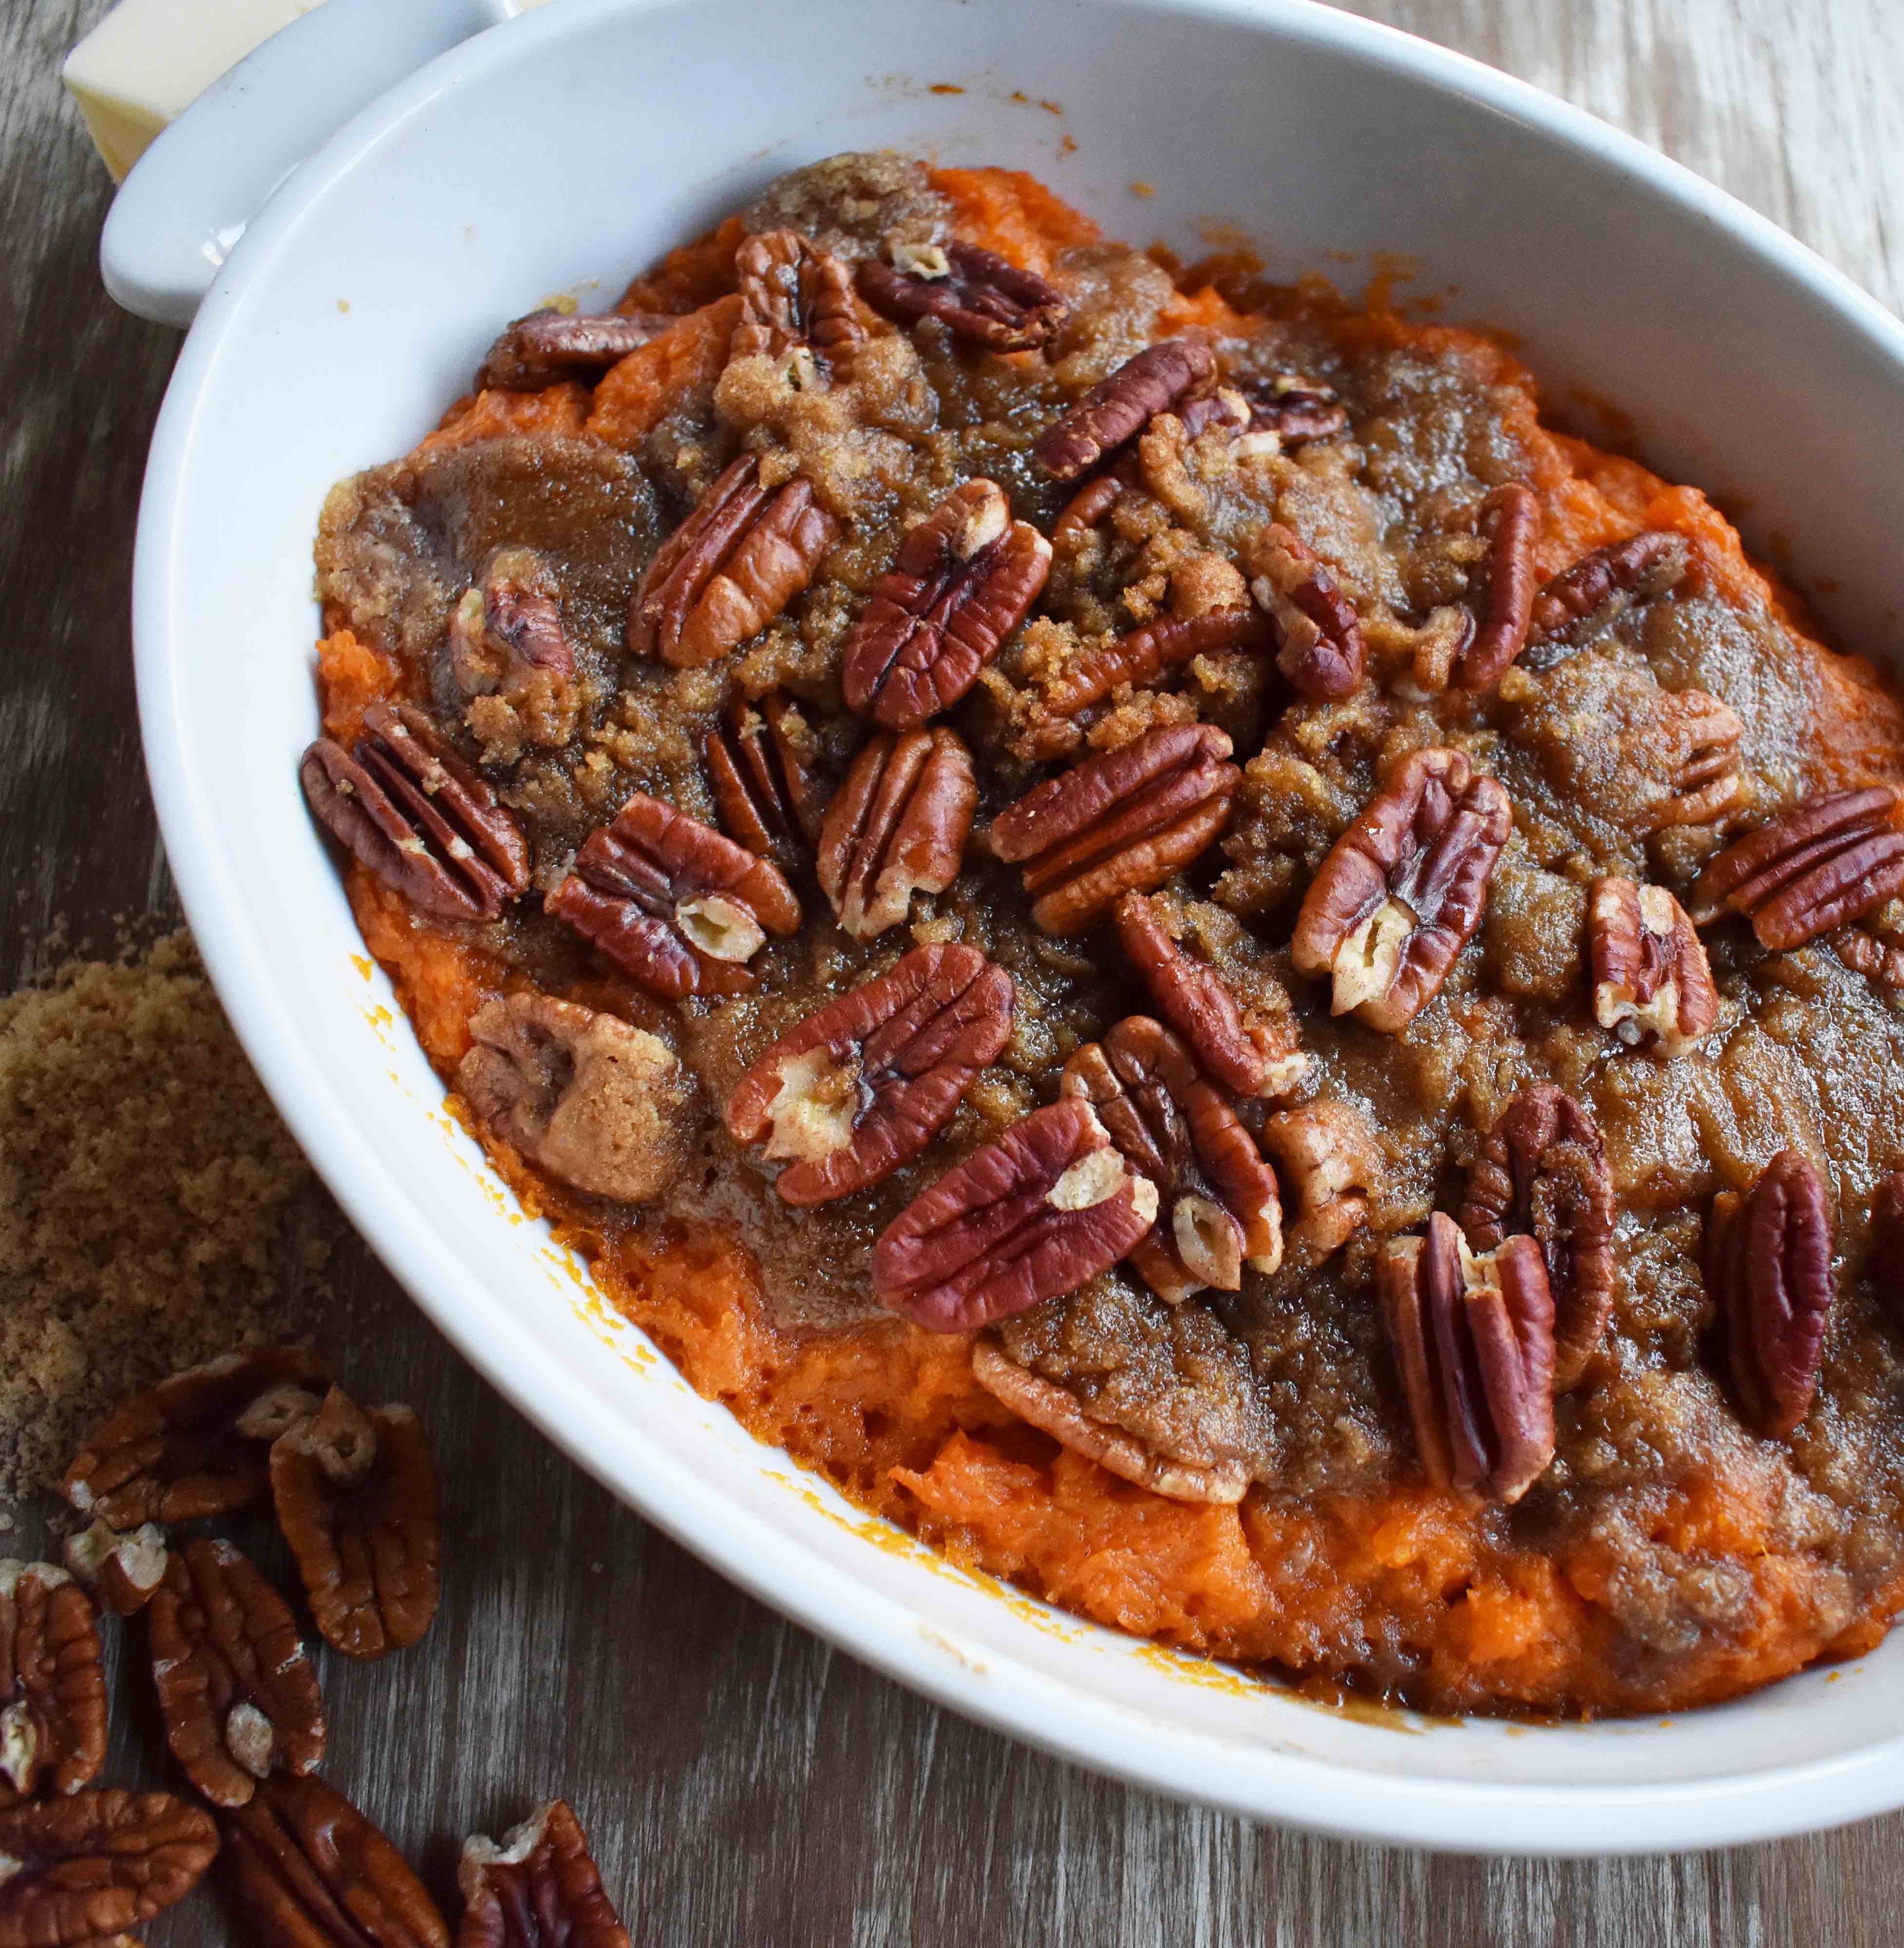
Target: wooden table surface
(743, 1782)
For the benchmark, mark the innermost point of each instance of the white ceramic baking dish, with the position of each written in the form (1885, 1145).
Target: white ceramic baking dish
(572, 145)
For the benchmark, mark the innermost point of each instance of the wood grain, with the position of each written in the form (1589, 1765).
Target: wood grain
(742, 1781)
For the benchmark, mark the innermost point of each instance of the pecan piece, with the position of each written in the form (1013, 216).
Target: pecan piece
(236, 1689)
(52, 1684)
(1698, 737)
(409, 809)
(1218, 1206)
(1328, 1151)
(307, 1870)
(975, 293)
(599, 1104)
(1050, 1204)
(544, 347)
(1118, 407)
(1509, 519)
(1768, 1271)
(72, 1870)
(863, 1084)
(898, 825)
(679, 907)
(539, 1889)
(1403, 890)
(176, 1450)
(1825, 861)
(1320, 648)
(796, 306)
(1474, 1338)
(1095, 498)
(1646, 564)
(769, 799)
(1885, 1265)
(1543, 1173)
(1056, 1412)
(122, 1571)
(961, 581)
(355, 1495)
(1650, 977)
(1121, 822)
(1295, 410)
(505, 631)
(730, 568)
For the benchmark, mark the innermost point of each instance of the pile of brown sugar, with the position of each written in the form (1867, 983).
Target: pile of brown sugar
(150, 1201)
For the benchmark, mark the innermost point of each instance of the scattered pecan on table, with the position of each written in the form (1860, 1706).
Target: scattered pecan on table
(757, 761)
(1318, 635)
(796, 306)
(120, 1571)
(546, 346)
(355, 1491)
(1218, 1208)
(181, 1449)
(1474, 1339)
(424, 822)
(1599, 585)
(52, 1684)
(1244, 1050)
(730, 568)
(1825, 862)
(1651, 981)
(1050, 1204)
(600, 1104)
(1118, 407)
(1768, 1272)
(975, 293)
(863, 1084)
(97, 1863)
(1121, 822)
(237, 1692)
(305, 1868)
(1330, 1154)
(1543, 1173)
(1403, 890)
(539, 1889)
(898, 825)
(682, 908)
(960, 582)
(1508, 520)
(1056, 1412)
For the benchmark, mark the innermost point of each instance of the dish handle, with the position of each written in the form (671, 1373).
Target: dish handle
(185, 203)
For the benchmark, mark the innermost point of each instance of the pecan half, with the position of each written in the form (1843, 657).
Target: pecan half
(898, 825)
(121, 1571)
(409, 809)
(543, 347)
(1319, 644)
(1295, 410)
(1826, 861)
(975, 293)
(1218, 1206)
(236, 1689)
(1646, 564)
(1056, 1412)
(1543, 1173)
(72, 1870)
(356, 1494)
(961, 581)
(176, 1450)
(1474, 1338)
(1768, 1271)
(1117, 407)
(52, 1684)
(539, 1889)
(1509, 520)
(599, 1104)
(1050, 1204)
(1246, 1051)
(681, 908)
(1403, 890)
(769, 799)
(307, 1870)
(1328, 1151)
(730, 568)
(1121, 822)
(863, 1084)
(1651, 980)
(796, 305)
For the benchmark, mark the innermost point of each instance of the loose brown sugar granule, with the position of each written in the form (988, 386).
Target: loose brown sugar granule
(145, 1187)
